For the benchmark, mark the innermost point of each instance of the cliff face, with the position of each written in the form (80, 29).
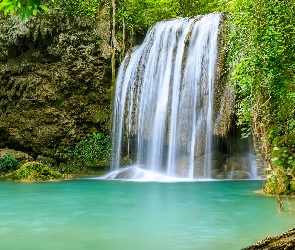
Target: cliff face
(223, 100)
(55, 84)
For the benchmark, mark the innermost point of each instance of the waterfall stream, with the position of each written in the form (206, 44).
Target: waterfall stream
(164, 99)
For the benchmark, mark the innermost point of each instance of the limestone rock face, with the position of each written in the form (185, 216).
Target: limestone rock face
(224, 101)
(20, 156)
(55, 82)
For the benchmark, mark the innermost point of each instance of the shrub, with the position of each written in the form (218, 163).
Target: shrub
(94, 150)
(8, 162)
(35, 171)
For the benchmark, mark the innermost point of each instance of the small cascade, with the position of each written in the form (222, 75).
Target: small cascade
(163, 107)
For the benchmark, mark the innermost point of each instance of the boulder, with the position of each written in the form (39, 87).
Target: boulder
(238, 175)
(19, 155)
(217, 159)
(237, 163)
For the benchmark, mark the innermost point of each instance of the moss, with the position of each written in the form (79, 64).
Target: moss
(36, 171)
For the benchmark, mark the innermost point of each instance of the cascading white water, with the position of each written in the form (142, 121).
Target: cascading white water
(164, 97)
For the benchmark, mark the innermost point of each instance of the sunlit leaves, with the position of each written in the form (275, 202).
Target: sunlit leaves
(141, 14)
(24, 8)
(80, 7)
(261, 49)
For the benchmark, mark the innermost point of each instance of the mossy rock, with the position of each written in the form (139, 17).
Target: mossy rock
(36, 171)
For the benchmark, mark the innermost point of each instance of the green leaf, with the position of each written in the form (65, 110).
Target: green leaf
(5, 4)
(28, 13)
(6, 10)
(43, 7)
(23, 14)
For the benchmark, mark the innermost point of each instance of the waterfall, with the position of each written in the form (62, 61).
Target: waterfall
(163, 104)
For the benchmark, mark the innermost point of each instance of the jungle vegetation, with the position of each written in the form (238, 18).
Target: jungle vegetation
(260, 50)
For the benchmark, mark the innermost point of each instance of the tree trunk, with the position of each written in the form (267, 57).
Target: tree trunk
(123, 38)
(113, 42)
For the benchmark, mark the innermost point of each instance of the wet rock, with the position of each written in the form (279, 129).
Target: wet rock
(237, 163)
(223, 100)
(218, 174)
(217, 159)
(183, 166)
(238, 175)
(127, 173)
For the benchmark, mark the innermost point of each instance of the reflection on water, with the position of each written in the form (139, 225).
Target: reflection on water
(96, 214)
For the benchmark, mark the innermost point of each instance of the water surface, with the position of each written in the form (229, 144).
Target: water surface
(111, 215)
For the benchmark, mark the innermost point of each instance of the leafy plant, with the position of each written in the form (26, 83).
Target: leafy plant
(94, 150)
(79, 7)
(35, 171)
(8, 162)
(25, 8)
(261, 48)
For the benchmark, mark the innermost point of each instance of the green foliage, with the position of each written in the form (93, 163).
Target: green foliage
(141, 14)
(80, 7)
(278, 182)
(8, 162)
(94, 150)
(261, 48)
(192, 8)
(25, 8)
(35, 171)
(89, 156)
